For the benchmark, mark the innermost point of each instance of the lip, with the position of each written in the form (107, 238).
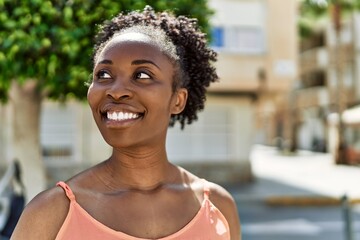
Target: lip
(120, 115)
(110, 123)
(120, 124)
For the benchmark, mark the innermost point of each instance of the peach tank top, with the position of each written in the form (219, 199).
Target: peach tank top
(208, 224)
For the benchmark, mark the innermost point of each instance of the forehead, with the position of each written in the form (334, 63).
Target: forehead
(131, 43)
(128, 48)
(130, 37)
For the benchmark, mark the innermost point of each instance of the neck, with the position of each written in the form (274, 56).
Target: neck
(138, 171)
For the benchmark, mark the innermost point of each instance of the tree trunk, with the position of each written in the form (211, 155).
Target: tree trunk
(25, 100)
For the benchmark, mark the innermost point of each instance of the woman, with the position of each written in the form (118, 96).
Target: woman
(150, 71)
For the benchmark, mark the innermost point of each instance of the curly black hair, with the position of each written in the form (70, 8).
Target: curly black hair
(195, 58)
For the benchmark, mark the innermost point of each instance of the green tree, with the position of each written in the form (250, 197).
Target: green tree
(45, 52)
(312, 12)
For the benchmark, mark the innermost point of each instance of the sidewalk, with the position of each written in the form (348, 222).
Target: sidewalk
(305, 178)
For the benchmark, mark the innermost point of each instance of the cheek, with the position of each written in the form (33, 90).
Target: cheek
(162, 100)
(93, 96)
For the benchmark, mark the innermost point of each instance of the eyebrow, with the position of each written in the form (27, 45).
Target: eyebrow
(135, 62)
(105, 61)
(142, 61)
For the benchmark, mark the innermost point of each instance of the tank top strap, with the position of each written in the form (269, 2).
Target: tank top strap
(206, 189)
(69, 193)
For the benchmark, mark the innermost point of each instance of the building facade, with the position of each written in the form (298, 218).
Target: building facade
(328, 95)
(257, 42)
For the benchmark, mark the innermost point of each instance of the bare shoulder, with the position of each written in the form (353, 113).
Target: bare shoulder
(43, 216)
(223, 200)
(219, 195)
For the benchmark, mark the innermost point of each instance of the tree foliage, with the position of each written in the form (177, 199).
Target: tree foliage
(51, 41)
(313, 11)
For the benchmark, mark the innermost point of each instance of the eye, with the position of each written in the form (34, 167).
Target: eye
(102, 74)
(142, 75)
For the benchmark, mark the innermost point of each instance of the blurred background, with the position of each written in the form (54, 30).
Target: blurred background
(280, 130)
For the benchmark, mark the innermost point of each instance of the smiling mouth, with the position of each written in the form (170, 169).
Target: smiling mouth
(121, 116)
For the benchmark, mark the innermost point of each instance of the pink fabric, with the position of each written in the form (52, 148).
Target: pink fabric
(208, 224)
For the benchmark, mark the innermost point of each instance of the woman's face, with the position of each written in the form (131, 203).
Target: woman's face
(131, 96)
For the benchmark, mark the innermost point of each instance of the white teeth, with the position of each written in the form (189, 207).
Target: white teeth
(119, 116)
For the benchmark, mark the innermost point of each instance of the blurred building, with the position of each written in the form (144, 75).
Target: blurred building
(257, 45)
(257, 42)
(257, 65)
(329, 87)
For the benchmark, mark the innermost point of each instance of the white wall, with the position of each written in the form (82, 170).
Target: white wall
(72, 126)
(238, 13)
(223, 133)
(5, 135)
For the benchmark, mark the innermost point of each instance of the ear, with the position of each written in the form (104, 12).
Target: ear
(179, 100)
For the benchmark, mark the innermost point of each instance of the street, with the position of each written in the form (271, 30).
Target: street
(295, 213)
(261, 221)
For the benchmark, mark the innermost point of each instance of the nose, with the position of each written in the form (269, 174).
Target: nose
(119, 90)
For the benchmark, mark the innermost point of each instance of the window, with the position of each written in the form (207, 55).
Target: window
(240, 39)
(59, 134)
(208, 139)
(217, 37)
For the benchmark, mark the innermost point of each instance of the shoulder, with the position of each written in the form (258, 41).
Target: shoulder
(223, 200)
(43, 216)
